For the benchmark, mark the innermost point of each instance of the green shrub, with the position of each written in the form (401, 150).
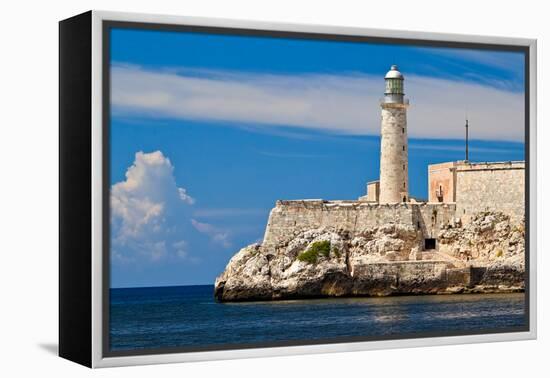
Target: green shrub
(312, 253)
(499, 253)
(308, 256)
(337, 252)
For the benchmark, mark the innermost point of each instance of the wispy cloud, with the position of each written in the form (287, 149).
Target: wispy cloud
(345, 104)
(502, 69)
(216, 234)
(508, 61)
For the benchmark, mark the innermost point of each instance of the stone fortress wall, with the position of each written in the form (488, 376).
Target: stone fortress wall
(475, 187)
(458, 191)
(375, 250)
(289, 217)
(468, 237)
(431, 217)
(491, 187)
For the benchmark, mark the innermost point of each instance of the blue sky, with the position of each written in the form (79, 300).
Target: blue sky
(208, 131)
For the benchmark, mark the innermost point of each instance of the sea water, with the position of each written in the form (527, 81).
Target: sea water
(188, 317)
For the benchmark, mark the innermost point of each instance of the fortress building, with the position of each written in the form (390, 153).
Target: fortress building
(458, 190)
(469, 187)
(483, 186)
(468, 237)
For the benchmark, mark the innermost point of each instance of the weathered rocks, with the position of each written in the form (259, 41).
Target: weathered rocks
(490, 239)
(485, 255)
(247, 276)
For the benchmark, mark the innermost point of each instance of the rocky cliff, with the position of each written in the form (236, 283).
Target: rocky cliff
(319, 259)
(492, 241)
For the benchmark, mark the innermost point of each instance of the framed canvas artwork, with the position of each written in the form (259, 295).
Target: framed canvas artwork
(232, 189)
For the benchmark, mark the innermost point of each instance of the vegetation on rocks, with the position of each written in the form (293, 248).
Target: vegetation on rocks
(312, 253)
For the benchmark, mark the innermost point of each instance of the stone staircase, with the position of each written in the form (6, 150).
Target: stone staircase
(440, 256)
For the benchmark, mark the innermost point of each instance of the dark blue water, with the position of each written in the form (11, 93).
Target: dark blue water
(188, 316)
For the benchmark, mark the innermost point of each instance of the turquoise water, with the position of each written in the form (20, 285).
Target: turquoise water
(188, 317)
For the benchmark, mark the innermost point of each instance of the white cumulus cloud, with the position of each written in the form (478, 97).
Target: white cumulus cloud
(140, 204)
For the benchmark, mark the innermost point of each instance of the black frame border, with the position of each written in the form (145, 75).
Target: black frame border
(75, 194)
(107, 25)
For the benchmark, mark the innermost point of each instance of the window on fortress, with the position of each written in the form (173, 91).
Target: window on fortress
(403, 148)
(439, 194)
(403, 130)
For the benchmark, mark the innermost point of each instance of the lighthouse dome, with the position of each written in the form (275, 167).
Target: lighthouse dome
(394, 73)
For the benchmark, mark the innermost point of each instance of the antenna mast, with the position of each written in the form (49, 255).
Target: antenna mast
(467, 157)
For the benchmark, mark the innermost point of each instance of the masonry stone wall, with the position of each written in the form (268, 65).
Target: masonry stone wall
(289, 217)
(495, 187)
(400, 270)
(490, 187)
(430, 217)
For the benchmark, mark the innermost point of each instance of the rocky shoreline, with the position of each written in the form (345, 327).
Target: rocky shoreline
(485, 256)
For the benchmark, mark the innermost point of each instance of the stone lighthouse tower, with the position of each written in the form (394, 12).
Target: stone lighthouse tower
(394, 176)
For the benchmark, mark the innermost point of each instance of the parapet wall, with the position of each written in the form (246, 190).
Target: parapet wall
(288, 217)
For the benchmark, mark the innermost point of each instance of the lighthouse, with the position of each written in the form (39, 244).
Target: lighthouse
(394, 164)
